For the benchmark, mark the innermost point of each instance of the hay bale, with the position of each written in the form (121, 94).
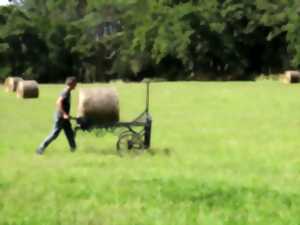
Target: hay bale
(98, 105)
(283, 78)
(11, 83)
(291, 76)
(28, 89)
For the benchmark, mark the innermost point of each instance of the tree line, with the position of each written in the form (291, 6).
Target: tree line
(101, 40)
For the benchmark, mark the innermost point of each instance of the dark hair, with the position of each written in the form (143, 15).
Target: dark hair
(71, 80)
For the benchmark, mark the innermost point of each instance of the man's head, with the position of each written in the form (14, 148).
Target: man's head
(71, 82)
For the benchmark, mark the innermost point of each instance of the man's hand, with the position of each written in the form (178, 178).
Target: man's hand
(66, 116)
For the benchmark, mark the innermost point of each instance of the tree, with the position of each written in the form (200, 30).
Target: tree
(293, 29)
(100, 40)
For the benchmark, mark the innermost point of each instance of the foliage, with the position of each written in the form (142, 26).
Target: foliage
(293, 28)
(131, 39)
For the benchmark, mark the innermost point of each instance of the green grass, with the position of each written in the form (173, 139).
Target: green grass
(222, 153)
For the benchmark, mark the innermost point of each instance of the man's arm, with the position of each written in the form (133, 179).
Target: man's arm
(59, 104)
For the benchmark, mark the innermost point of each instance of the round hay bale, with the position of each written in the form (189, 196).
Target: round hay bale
(11, 83)
(291, 76)
(283, 78)
(98, 105)
(28, 89)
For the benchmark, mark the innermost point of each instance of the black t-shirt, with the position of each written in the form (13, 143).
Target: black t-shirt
(66, 105)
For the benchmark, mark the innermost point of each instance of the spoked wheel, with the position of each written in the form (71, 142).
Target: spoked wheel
(130, 142)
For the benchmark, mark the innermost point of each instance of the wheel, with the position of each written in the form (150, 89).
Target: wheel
(129, 142)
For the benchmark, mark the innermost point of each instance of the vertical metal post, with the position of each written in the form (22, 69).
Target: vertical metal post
(147, 97)
(148, 125)
(147, 135)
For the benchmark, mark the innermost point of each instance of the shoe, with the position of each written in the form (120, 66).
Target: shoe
(72, 149)
(39, 152)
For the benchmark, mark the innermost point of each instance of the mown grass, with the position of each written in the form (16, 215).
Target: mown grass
(222, 153)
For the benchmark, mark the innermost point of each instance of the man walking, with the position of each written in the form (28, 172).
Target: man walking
(62, 117)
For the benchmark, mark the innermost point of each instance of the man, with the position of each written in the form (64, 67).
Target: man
(62, 117)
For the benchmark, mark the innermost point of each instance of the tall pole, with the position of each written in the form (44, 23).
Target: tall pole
(147, 96)
(148, 124)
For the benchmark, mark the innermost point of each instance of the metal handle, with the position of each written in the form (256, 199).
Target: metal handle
(73, 118)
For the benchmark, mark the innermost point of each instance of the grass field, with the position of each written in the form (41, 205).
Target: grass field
(222, 153)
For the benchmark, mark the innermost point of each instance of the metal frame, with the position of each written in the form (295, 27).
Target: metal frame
(143, 122)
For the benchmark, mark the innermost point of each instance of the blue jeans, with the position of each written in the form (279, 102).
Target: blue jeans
(59, 124)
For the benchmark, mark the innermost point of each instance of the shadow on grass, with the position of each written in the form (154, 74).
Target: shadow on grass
(137, 152)
(100, 151)
(160, 151)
